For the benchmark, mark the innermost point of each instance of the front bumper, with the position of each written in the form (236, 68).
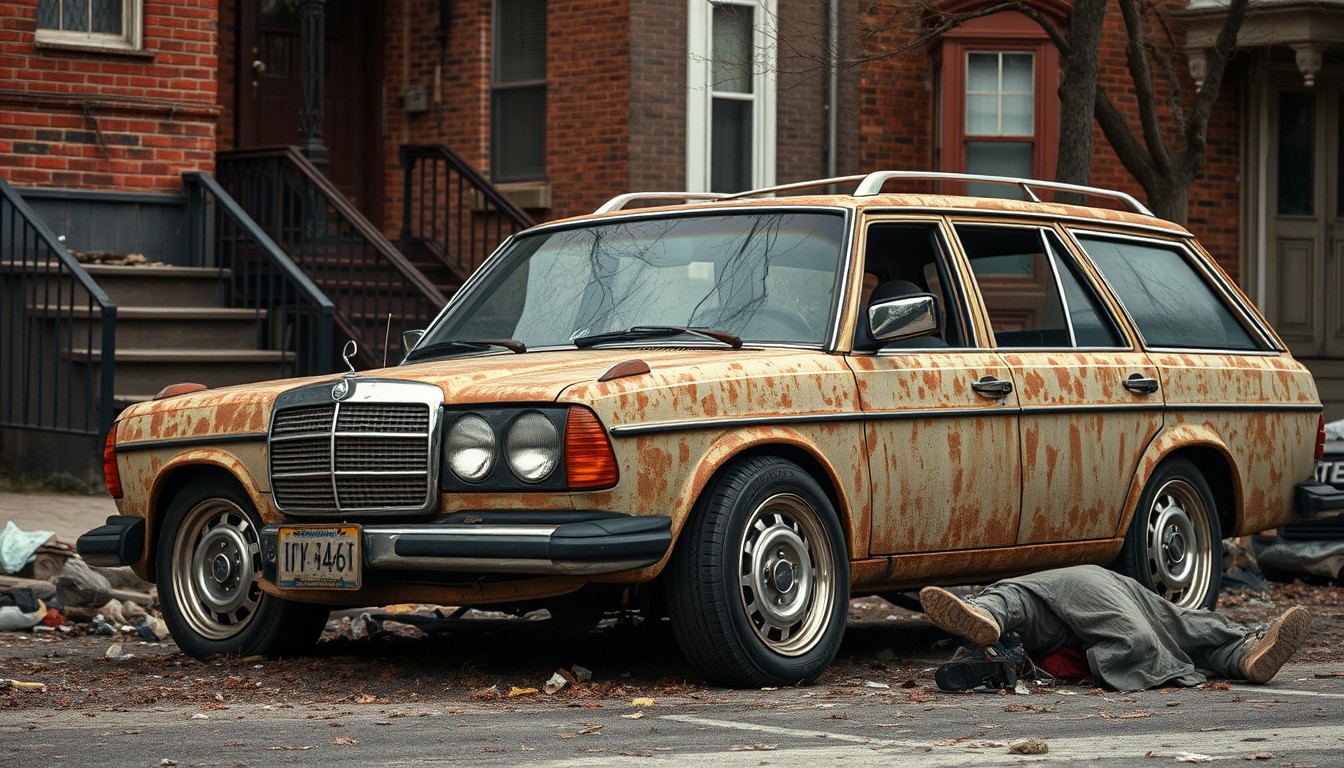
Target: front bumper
(1316, 500)
(508, 542)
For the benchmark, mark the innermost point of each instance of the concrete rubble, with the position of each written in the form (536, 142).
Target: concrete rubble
(45, 586)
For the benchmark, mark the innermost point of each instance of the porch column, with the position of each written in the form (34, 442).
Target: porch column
(312, 34)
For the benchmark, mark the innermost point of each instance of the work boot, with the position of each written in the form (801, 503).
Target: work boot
(960, 617)
(1266, 650)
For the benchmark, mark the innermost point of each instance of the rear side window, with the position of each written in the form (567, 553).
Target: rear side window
(1170, 301)
(1034, 293)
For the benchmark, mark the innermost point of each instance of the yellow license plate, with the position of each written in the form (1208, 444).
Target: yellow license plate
(320, 557)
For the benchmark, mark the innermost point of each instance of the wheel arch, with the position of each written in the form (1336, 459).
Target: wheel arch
(1206, 450)
(181, 473)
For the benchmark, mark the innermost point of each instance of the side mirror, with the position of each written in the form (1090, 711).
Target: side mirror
(409, 339)
(905, 317)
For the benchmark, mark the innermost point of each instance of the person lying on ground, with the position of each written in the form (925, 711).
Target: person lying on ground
(1133, 638)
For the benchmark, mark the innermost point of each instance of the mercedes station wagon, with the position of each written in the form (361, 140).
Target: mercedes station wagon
(736, 412)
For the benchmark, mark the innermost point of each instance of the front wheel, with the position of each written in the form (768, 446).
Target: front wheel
(1174, 545)
(760, 580)
(208, 567)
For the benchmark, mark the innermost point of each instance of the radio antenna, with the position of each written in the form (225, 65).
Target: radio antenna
(386, 336)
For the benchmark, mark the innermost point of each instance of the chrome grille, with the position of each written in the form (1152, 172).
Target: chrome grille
(372, 457)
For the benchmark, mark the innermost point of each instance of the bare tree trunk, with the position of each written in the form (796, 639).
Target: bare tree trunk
(1170, 199)
(1077, 94)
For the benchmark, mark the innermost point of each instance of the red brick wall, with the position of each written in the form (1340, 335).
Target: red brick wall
(106, 120)
(897, 118)
(657, 96)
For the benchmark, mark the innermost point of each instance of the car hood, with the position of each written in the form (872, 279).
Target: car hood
(495, 378)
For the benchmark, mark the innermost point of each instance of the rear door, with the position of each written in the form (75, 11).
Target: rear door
(1090, 398)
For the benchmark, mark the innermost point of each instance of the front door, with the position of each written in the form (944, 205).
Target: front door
(1303, 211)
(270, 89)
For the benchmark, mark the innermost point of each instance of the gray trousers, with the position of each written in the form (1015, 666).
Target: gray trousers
(1133, 638)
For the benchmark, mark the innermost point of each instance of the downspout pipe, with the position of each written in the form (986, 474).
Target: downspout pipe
(832, 88)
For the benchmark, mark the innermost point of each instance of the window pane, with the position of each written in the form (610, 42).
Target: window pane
(982, 73)
(730, 146)
(1017, 116)
(732, 60)
(1017, 73)
(1092, 326)
(519, 136)
(107, 16)
(1297, 153)
(75, 15)
(998, 158)
(982, 115)
(1169, 300)
(520, 41)
(1018, 286)
(48, 14)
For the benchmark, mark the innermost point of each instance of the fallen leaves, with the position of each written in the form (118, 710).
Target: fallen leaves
(1131, 715)
(1028, 747)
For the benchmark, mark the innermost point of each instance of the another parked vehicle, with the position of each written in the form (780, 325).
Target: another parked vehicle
(743, 410)
(1309, 547)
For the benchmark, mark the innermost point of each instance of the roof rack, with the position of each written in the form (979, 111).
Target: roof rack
(872, 184)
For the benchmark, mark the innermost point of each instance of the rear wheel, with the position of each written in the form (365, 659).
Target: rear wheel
(1174, 545)
(760, 580)
(208, 567)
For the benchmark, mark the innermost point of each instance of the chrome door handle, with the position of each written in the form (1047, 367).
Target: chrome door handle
(992, 387)
(1140, 384)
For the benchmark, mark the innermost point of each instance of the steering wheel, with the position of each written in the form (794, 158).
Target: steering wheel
(782, 324)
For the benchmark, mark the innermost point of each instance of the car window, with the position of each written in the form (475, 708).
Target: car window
(1035, 294)
(1172, 304)
(905, 258)
(764, 276)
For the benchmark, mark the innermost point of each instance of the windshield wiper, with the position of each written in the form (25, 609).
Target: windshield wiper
(642, 332)
(462, 346)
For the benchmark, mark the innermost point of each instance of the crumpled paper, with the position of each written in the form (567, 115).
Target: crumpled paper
(19, 548)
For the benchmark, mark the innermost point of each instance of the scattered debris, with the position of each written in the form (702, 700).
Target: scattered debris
(643, 701)
(582, 674)
(1028, 747)
(20, 685)
(555, 683)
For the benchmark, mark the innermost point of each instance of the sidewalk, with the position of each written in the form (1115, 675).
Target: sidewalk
(68, 514)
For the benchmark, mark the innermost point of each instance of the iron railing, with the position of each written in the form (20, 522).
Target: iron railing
(452, 210)
(295, 315)
(373, 287)
(57, 331)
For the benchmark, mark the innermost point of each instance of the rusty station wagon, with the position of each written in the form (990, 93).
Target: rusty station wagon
(738, 411)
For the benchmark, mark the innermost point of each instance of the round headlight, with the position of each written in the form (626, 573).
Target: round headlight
(532, 447)
(471, 448)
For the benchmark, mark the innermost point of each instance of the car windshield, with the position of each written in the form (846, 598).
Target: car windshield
(763, 276)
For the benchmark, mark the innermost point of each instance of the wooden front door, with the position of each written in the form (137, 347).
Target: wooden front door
(270, 89)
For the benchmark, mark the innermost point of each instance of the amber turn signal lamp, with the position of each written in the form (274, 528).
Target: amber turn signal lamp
(1320, 438)
(110, 474)
(589, 461)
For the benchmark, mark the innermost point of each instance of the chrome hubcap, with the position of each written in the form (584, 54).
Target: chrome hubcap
(216, 569)
(1179, 544)
(786, 574)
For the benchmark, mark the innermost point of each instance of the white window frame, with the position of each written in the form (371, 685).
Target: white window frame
(130, 39)
(700, 91)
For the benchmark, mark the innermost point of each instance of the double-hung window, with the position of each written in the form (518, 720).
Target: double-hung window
(518, 91)
(112, 24)
(731, 95)
(997, 101)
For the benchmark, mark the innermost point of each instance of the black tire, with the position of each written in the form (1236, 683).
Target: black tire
(746, 622)
(208, 567)
(1174, 545)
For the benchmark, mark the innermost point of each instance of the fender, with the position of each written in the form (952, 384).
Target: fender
(1167, 441)
(199, 458)
(729, 445)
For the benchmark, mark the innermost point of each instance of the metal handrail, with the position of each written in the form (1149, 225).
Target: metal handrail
(290, 299)
(42, 382)
(369, 281)
(453, 208)
(871, 184)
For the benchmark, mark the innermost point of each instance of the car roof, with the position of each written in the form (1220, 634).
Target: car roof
(868, 195)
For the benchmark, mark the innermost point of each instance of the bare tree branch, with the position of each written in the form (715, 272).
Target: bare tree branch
(1142, 77)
